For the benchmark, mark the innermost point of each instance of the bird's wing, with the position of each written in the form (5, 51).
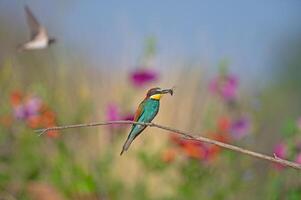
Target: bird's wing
(139, 111)
(42, 34)
(33, 23)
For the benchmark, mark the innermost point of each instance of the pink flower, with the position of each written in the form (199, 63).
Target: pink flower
(225, 86)
(112, 112)
(280, 151)
(240, 127)
(298, 158)
(128, 116)
(142, 77)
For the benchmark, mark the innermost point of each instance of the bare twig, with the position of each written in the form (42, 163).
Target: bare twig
(186, 135)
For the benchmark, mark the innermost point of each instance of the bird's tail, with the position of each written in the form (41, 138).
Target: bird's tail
(126, 145)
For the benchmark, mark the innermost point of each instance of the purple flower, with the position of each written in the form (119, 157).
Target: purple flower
(298, 158)
(30, 108)
(280, 150)
(19, 112)
(33, 106)
(141, 77)
(240, 127)
(225, 86)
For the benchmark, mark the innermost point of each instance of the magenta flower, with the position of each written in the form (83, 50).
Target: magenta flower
(280, 151)
(298, 158)
(141, 77)
(128, 116)
(112, 112)
(226, 86)
(240, 128)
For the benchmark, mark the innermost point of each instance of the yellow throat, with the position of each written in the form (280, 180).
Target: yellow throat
(156, 96)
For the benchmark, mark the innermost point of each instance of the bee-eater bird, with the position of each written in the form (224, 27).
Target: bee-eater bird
(146, 112)
(39, 38)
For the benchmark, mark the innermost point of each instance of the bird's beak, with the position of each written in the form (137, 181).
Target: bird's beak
(166, 91)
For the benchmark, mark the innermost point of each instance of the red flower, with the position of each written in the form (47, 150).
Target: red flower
(223, 124)
(214, 150)
(53, 134)
(195, 149)
(15, 98)
(191, 148)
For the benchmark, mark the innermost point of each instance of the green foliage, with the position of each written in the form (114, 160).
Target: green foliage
(151, 161)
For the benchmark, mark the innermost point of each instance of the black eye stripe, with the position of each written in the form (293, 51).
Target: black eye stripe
(153, 91)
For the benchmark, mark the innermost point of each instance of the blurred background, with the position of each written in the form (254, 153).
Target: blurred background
(236, 67)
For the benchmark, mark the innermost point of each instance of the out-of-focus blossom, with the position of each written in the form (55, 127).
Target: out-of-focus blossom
(298, 158)
(200, 150)
(48, 117)
(33, 106)
(214, 150)
(33, 112)
(299, 123)
(169, 155)
(191, 148)
(223, 124)
(195, 149)
(176, 139)
(142, 77)
(240, 127)
(112, 112)
(19, 111)
(128, 116)
(15, 98)
(226, 86)
(280, 150)
(24, 110)
(53, 134)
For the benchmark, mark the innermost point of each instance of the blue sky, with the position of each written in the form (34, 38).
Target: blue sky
(245, 32)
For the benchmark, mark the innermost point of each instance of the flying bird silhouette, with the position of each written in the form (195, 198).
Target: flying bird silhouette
(146, 112)
(39, 38)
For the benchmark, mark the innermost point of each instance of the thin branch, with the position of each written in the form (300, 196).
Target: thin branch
(186, 135)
